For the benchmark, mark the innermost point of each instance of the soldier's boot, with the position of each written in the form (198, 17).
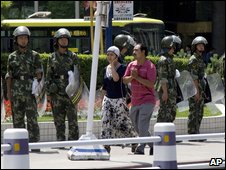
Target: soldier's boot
(108, 148)
(133, 147)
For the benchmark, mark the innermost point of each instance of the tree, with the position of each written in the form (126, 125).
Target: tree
(62, 9)
(217, 65)
(4, 8)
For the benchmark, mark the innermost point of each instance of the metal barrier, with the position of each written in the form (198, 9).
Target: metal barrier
(16, 146)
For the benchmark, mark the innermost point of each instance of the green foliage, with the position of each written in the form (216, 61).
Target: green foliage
(4, 57)
(184, 114)
(206, 113)
(86, 65)
(217, 65)
(4, 8)
(183, 54)
(62, 9)
(181, 63)
(6, 4)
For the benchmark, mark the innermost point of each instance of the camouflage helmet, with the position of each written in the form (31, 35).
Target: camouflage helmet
(167, 42)
(21, 30)
(198, 40)
(122, 41)
(125, 41)
(171, 41)
(62, 32)
(177, 42)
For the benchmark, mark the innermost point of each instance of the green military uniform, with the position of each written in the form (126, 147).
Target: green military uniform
(21, 68)
(166, 73)
(56, 83)
(196, 67)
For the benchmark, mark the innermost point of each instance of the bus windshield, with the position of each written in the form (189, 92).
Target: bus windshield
(148, 34)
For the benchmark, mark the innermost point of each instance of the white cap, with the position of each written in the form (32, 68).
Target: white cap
(114, 49)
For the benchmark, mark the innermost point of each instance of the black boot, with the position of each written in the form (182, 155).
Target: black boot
(108, 148)
(133, 147)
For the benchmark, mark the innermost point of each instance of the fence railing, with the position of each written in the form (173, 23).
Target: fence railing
(16, 146)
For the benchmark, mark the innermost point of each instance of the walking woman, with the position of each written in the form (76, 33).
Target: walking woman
(115, 120)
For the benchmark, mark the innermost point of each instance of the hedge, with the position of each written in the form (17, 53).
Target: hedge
(86, 64)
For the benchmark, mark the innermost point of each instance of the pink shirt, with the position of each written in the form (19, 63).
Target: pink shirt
(140, 93)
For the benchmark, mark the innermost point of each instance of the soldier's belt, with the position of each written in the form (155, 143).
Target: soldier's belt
(23, 77)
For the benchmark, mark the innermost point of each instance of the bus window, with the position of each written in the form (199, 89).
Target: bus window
(79, 44)
(151, 39)
(40, 44)
(149, 34)
(6, 44)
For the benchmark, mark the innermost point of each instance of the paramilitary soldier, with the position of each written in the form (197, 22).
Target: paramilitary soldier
(59, 63)
(166, 83)
(196, 67)
(125, 43)
(23, 65)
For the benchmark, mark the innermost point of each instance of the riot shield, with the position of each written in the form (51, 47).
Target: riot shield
(40, 95)
(186, 84)
(212, 108)
(73, 81)
(98, 102)
(75, 85)
(41, 103)
(157, 105)
(185, 89)
(83, 102)
(220, 104)
(183, 106)
(216, 88)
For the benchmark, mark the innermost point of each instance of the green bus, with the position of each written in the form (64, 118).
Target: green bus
(145, 30)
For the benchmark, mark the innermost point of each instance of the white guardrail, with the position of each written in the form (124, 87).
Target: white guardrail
(16, 146)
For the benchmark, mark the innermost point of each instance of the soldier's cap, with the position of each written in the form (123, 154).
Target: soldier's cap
(114, 50)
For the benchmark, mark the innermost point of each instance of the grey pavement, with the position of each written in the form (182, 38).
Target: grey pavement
(187, 152)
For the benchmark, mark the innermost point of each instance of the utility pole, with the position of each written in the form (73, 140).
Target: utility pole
(92, 151)
(108, 32)
(77, 9)
(36, 6)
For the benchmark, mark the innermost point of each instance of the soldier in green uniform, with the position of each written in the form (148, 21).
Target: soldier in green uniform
(166, 83)
(23, 65)
(59, 63)
(196, 67)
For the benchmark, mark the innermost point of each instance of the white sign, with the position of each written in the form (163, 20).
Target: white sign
(123, 10)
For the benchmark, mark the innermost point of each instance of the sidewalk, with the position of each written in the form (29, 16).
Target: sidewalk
(187, 152)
